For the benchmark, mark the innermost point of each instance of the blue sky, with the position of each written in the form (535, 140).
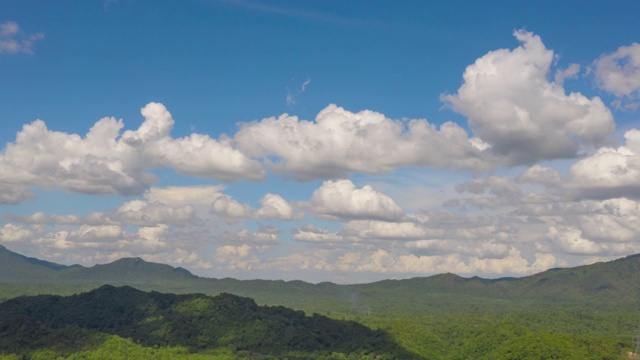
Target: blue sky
(321, 140)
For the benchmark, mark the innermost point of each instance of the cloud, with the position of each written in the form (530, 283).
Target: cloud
(306, 83)
(339, 142)
(610, 172)
(274, 207)
(143, 213)
(384, 261)
(197, 154)
(569, 73)
(227, 207)
(266, 236)
(103, 162)
(525, 118)
(619, 72)
(14, 233)
(184, 195)
(342, 200)
(13, 40)
(236, 257)
(291, 96)
(310, 233)
(538, 174)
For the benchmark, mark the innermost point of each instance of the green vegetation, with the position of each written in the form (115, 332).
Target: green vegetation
(48, 326)
(588, 312)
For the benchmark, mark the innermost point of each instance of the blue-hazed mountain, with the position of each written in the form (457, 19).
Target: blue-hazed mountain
(18, 268)
(613, 281)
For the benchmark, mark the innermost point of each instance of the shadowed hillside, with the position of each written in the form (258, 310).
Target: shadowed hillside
(195, 321)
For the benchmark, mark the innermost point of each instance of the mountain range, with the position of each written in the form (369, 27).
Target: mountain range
(614, 281)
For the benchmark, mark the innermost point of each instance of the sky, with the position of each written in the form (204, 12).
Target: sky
(343, 141)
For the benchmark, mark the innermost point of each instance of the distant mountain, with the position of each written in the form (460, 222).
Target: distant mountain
(21, 269)
(612, 282)
(127, 270)
(195, 321)
(18, 268)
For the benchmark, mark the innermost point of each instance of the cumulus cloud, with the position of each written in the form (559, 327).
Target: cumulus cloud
(274, 207)
(610, 172)
(538, 174)
(619, 72)
(184, 195)
(236, 257)
(266, 236)
(383, 230)
(14, 233)
(103, 162)
(341, 199)
(13, 40)
(227, 207)
(144, 213)
(569, 73)
(340, 142)
(385, 261)
(524, 118)
(312, 234)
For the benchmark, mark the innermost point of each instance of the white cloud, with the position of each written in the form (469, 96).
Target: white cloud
(276, 208)
(538, 174)
(384, 261)
(236, 257)
(105, 163)
(525, 118)
(230, 209)
(143, 213)
(339, 142)
(619, 72)
(263, 237)
(13, 40)
(197, 154)
(342, 200)
(14, 233)
(569, 73)
(383, 230)
(306, 83)
(90, 233)
(610, 172)
(310, 233)
(13, 193)
(184, 195)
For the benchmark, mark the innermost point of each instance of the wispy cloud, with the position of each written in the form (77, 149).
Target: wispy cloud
(291, 96)
(13, 40)
(302, 14)
(305, 84)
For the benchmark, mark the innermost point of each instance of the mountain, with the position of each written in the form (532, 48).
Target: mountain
(195, 321)
(19, 268)
(127, 270)
(615, 281)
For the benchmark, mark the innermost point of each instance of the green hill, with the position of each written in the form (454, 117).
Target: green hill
(197, 322)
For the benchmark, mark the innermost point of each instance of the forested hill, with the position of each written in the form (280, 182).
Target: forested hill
(196, 321)
(611, 282)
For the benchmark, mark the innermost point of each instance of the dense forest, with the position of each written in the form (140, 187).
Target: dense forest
(67, 325)
(588, 312)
